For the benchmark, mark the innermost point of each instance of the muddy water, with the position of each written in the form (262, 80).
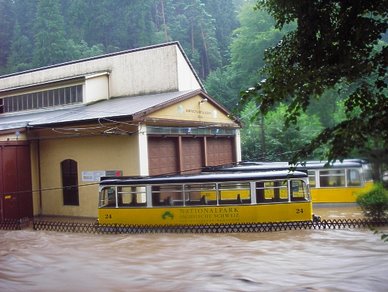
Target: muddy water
(305, 260)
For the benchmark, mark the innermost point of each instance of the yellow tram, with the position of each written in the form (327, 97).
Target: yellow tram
(227, 198)
(338, 182)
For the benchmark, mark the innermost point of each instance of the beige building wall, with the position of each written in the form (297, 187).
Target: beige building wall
(96, 88)
(91, 154)
(152, 70)
(186, 78)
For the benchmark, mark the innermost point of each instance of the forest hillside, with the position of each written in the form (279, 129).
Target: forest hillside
(226, 41)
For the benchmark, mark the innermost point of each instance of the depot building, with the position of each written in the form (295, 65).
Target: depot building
(137, 112)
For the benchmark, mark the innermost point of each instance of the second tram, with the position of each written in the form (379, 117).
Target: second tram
(338, 182)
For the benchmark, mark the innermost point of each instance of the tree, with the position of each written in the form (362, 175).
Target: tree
(20, 57)
(50, 40)
(6, 28)
(282, 142)
(220, 85)
(82, 50)
(61, 30)
(374, 203)
(335, 43)
(267, 138)
(224, 14)
(250, 40)
(189, 22)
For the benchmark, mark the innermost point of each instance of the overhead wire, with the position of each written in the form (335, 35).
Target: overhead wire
(97, 183)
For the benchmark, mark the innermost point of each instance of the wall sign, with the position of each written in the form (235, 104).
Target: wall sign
(95, 175)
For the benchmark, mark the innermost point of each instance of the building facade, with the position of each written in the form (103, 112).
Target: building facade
(137, 112)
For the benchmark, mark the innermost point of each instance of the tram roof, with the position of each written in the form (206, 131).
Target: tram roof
(267, 166)
(203, 178)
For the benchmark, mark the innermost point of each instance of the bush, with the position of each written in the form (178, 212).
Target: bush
(374, 203)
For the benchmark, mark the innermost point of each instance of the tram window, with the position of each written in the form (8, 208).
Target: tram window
(167, 195)
(260, 192)
(298, 190)
(312, 182)
(354, 177)
(200, 194)
(107, 197)
(332, 178)
(235, 193)
(131, 196)
(271, 191)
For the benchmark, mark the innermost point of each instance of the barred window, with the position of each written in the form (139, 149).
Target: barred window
(41, 99)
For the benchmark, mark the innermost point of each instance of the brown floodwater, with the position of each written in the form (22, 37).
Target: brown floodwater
(353, 259)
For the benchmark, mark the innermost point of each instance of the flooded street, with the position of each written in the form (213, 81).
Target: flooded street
(351, 259)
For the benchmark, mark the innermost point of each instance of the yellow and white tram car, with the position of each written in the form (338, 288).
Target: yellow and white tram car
(226, 198)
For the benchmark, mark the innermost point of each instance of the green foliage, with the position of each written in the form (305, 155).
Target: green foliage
(20, 57)
(282, 142)
(335, 43)
(383, 236)
(50, 40)
(268, 139)
(375, 202)
(6, 28)
(225, 21)
(250, 40)
(253, 148)
(191, 23)
(219, 84)
(53, 31)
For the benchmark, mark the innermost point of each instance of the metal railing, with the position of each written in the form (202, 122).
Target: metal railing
(14, 224)
(213, 228)
(87, 227)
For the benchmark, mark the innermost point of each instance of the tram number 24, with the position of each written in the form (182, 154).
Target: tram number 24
(108, 216)
(299, 211)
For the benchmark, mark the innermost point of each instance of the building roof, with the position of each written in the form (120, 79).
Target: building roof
(174, 43)
(131, 107)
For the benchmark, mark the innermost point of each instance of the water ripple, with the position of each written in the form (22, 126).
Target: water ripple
(300, 260)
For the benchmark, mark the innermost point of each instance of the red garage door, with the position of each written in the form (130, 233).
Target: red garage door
(172, 155)
(192, 155)
(15, 181)
(219, 151)
(163, 155)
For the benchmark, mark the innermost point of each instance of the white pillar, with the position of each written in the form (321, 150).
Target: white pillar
(238, 145)
(143, 150)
